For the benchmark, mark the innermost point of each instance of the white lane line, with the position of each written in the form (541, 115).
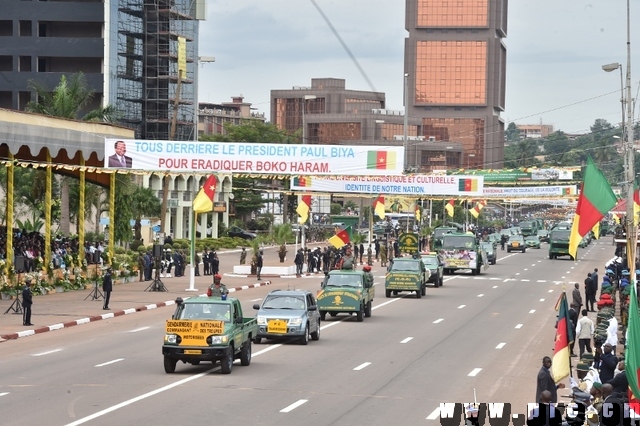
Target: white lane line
(495, 286)
(386, 303)
(541, 281)
(474, 372)
(542, 300)
(109, 362)
(525, 269)
(525, 280)
(518, 325)
(438, 320)
(500, 346)
(533, 264)
(434, 414)
(254, 300)
(138, 329)
(494, 278)
(550, 291)
(361, 366)
(4, 393)
(293, 406)
(47, 353)
(517, 273)
(461, 306)
(532, 311)
(408, 339)
(481, 294)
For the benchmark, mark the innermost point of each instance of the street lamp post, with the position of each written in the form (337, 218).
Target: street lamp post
(612, 67)
(406, 120)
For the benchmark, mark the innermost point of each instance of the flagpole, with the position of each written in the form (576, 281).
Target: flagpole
(370, 223)
(192, 235)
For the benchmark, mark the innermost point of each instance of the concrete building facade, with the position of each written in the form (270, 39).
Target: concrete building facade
(213, 117)
(455, 71)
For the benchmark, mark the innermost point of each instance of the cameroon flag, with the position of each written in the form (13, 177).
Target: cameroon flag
(449, 207)
(561, 366)
(340, 239)
(378, 206)
(467, 185)
(304, 207)
(595, 200)
(632, 354)
(381, 160)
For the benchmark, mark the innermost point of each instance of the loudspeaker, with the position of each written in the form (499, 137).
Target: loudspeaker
(18, 264)
(158, 250)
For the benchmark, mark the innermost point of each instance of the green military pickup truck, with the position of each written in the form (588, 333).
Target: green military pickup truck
(407, 274)
(208, 329)
(346, 291)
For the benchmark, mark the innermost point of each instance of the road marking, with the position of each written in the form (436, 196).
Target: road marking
(434, 414)
(406, 340)
(517, 273)
(438, 320)
(361, 366)
(495, 278)
(386, 303)
(461, 306)
(532, 311)
(495, 286)
(500, 346)
(294, 406)
(518, 325)
(47, 353)
(541, 281)
(4, 393)
(109, 362)
(525, 269)
(550, 291)
(524, 280)
(480, 295)
(534, 263)
(254, 300)
(542, 300)
(474, 372)
(138, 329)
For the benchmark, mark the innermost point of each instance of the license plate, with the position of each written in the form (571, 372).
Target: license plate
(277, 326)
(193, 352)
(516, 244)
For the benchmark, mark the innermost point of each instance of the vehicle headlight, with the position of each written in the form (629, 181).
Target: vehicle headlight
(262, 320)
(217, 340)
(295, 321)
(171, 338)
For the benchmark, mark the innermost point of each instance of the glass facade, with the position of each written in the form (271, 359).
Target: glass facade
(288, 111)
(333, 133)
(467, 131)
(450, 13)
(451, 72)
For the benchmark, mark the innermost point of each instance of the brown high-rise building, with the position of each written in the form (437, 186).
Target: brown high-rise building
(455, 66)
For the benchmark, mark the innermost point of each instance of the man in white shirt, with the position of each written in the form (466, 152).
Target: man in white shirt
(584, 332)
(612, 334)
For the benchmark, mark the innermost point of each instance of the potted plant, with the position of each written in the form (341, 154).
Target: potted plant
(5, 291)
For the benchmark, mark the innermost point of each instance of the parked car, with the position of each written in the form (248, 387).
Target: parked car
(516, 243)
(234, 231)
(532, 241)
(492, 254)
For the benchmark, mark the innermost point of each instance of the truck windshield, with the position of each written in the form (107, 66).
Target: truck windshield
(459, 242)
(344, 280)
(439, 232)
(283, 302)
(560, 234)
(205, 311)
(399, 265)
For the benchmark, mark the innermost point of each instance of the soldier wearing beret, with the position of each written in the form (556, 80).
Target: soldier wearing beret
(217, 289)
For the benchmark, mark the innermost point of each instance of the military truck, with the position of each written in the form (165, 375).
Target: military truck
(528, 228)
(559, 242)
(208, 329)
(345, 291)
(461, 251)
(438, 233)
(407, 274)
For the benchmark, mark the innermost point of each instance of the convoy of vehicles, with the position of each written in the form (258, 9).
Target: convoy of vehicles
(438, 234)
(559, 242)
(208, 329)
(407, 274)
(516, 243)
(291, 315)
(435, 264)
(345, 291)
(492, 253)
(528, 228)
(532, 241)
(461, 251)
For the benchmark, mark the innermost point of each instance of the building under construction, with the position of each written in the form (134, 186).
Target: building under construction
(156, 67)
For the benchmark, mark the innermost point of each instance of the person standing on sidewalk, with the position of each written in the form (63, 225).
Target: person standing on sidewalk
(107, 287)
(259, 264)
(594, 276)
(584, 333)
(576, 298)
(299, 262)
(27, 301)
(590, 291)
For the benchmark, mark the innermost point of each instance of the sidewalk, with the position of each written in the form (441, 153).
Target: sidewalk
(62, 310)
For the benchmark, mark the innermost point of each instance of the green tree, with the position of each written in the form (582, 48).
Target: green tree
(512, 133)
(144, 203)
(521, 154)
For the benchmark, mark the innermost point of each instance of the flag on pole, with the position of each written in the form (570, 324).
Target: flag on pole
(340, 239)
(450, 207)
(632, 353)
(596, 231)
(475, 211)
(304, 207)
(636, 204)
(204, 200)
(418, 212)
(561, 366)
(595, 200)
(378, 206)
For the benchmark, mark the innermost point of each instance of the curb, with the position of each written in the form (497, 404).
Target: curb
(40, 330)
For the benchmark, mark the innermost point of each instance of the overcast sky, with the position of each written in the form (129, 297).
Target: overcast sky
(555, 50)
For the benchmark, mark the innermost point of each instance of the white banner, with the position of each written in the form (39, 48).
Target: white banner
(254, 158)
(530, 191)
(418, 185)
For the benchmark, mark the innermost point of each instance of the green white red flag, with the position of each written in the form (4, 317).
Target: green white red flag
(632, 353)
(561, 366)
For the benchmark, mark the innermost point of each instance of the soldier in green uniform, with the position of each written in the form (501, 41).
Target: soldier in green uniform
(141, 263)
(217, 289)
(368, 276)
(369, 256)
(383, 255)
(348, 261)
(243, 256)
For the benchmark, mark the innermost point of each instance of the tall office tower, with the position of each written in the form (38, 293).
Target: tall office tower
(455, 71)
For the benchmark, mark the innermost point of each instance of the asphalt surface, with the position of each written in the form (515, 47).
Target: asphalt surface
(487, 333)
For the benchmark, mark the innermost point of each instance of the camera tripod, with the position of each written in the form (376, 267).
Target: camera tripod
(95, 294)
(156, 284)
(16, 306)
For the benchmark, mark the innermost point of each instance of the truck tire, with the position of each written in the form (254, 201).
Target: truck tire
(367, 310)
(316, 334)
(440, 281)
(226, 363)
(245, 353)
(550, 256)
(257, 340)
(387, 293)
(305, 339)
(169, 365)
(360, 314)
(475, 271)
(323, 315)
(424, 290)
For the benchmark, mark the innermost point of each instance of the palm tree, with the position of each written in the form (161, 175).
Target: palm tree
(67, 100)
(144, 202)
